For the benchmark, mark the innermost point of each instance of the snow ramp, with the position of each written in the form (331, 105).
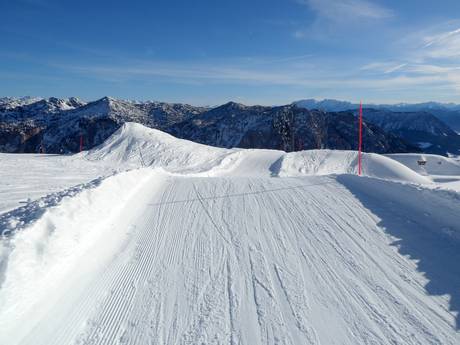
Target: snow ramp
(326, 162)
(134, 145)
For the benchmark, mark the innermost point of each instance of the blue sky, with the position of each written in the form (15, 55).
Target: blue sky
(210, 52)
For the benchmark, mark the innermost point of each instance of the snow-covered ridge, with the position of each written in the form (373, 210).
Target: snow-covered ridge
(337, 105)
(13, 102)
(134, 145)
(56, 126)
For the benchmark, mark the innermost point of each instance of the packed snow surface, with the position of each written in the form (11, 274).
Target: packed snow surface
(443, 170)
(27, 177)
(179, 243)
(134, 145)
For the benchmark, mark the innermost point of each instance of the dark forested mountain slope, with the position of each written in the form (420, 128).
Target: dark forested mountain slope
(56, 125)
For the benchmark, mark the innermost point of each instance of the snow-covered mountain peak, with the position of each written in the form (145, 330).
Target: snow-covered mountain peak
(13, 102)
(108, 99)
(232, 105)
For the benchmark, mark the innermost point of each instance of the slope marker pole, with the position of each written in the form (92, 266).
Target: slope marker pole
(81, 142)
(360, 138)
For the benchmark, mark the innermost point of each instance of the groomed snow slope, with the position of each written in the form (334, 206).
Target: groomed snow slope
(231, 255)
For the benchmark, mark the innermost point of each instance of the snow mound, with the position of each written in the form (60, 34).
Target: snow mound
(249, 163)
(135, 145)
(326, 162)
(435, 165)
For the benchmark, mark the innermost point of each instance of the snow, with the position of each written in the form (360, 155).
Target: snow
(42, 256)
(133, 145)
(12, 102)
(442, 170)
(435, 165)
(424, 145)
(26, 177)
(325, 162)
(171, 242)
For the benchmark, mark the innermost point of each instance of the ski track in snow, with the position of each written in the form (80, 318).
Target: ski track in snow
(228, 254)
(277, 267)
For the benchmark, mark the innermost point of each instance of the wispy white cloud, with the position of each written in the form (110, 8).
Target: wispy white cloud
(428, 58)
(413, 71)
(443, 45)
(384, 67)
(343, 10)
(332, 18)
(442, 37)
(191, 72)
(286, 75)
(395, 68)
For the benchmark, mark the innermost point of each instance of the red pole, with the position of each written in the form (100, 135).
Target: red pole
(81, 142)
(360, 138)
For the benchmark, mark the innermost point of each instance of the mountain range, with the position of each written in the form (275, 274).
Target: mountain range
(287, 128)
(57, 125)
(60, 125)
(420, 128)
(447, 112)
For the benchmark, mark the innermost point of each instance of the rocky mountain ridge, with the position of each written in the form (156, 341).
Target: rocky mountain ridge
(58, 125)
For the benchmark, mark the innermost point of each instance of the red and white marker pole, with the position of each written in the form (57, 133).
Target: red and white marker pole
(360, 138)
(81, 142)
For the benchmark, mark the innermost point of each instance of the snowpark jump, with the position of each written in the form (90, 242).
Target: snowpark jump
(213, 246)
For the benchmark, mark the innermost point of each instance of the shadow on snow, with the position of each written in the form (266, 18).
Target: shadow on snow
(427, 225)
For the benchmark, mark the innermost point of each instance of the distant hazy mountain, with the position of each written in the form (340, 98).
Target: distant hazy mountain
(326, 105)
(447, 112)
(335, 105)
(419, 121)
(56, 125)
(419, 128)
